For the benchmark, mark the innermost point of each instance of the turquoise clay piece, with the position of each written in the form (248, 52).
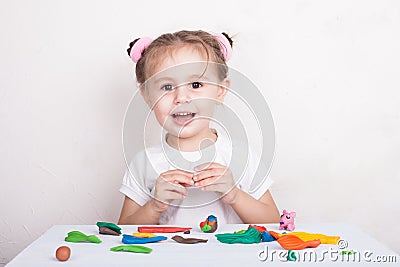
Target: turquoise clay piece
(248, 237)
(76, 237)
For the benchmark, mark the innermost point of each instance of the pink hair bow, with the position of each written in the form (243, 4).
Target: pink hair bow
(226, 47)
(142, 44)
(139, 47)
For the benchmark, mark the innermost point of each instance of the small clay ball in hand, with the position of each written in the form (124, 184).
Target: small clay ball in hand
(63, 253)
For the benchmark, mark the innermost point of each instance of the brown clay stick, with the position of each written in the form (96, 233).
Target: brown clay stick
(106, 231)
(183, 240)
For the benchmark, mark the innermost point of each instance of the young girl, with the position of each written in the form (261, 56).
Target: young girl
(156, 191)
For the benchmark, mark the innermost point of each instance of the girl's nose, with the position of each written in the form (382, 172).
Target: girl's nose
(181, 95)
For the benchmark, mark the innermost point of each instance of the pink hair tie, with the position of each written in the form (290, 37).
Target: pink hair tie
(226, 47)
(139, 47)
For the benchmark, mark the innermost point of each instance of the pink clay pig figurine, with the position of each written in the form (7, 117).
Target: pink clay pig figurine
(287, 221)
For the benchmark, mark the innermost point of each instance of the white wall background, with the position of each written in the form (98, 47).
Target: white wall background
(329, 70)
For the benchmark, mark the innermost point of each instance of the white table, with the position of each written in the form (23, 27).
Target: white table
(169, 253)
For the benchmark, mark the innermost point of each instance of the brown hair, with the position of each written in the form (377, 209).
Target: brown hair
(166, 43)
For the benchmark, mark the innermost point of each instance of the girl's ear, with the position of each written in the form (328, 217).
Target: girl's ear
(223, 89)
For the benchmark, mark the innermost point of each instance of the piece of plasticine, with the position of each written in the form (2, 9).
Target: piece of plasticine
(183, 240)
(129, 239)
(210, 225)
(292, 242)
(77, 236)
(274, 234)
(132, 248)
(251, 235)
(258, 228)
(162, 229)
(107, 231)
(267, 237)
(144, 235)
(110, 226)
(325, 239)
(206, 228)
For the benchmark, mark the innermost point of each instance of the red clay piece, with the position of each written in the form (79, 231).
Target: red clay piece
(258, 228)
(162, 229)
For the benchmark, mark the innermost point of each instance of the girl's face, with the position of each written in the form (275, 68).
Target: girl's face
(184, 91)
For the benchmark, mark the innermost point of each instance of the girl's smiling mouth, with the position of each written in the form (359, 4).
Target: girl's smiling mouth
(183, 118)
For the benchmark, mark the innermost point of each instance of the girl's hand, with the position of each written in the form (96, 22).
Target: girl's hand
(217, 178)
(171, 185)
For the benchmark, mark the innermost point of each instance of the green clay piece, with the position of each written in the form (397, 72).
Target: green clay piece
(132, 248)
(206, 228)
(76, 237)
(240, 232)
(347, 252)
(248, 237)
(291, 255)
(111, 226)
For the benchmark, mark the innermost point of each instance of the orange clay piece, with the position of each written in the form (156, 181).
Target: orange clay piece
(211, 223)
(325, 239)
(292, 242)
(274, 234)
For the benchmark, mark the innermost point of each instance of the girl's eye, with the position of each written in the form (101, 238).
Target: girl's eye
(167, 87)
(196, 85)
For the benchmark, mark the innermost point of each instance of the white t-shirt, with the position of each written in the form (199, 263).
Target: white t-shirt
(139, 180)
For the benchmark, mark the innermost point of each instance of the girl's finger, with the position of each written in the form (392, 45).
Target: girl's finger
(209, 173)
(178, 179)
(176, 188)
(208, 165)
(178, 172)
(208, 181)
(168, 191)
(213, 188)
(172, 195)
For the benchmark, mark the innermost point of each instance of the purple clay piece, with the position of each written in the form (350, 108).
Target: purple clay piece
(183, 240)
(106, 231)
